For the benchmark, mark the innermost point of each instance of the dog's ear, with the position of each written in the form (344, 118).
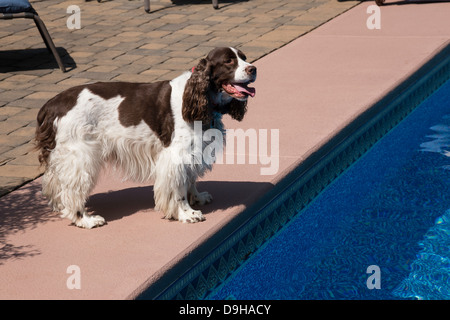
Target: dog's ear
(195, 97)
(237, 109)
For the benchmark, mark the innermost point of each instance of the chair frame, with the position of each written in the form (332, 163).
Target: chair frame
(215, 4)
(42, 30)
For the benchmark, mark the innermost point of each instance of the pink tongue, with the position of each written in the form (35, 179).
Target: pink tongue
(248, 90)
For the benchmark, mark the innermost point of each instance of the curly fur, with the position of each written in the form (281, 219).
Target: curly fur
(195, 96)
(237, 109)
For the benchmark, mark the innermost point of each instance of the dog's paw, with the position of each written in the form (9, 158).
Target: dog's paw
(89, 222)
(200, 198)
(191, 216)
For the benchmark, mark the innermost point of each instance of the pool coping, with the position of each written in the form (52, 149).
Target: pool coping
(258, 223)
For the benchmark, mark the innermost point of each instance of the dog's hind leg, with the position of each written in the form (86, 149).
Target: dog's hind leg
(73, 171)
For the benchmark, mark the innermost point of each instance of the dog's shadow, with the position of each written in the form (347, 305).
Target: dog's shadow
(115, 205)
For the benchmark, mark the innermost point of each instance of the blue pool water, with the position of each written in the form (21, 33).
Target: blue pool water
(390, 209)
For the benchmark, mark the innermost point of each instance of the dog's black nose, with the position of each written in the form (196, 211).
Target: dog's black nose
(251, 70)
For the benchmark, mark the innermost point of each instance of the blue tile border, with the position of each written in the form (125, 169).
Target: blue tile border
(213, 261)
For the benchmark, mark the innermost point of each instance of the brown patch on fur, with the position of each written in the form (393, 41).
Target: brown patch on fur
(149, 102)
(56, 107)
(143, 101)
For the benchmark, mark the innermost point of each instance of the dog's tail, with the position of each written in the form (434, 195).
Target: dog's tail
(57, 107)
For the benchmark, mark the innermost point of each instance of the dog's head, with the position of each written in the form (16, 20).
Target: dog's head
(219, 83)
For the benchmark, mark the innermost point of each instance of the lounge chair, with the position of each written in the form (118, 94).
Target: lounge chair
(12, 9)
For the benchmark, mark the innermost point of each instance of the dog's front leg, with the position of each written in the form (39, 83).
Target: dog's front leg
(173, 185)
(196, 197)
(185, 212)
(172, 199)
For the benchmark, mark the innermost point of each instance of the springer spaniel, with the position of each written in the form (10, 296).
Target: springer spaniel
(142, 128)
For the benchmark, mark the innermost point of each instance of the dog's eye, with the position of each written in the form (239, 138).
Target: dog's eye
(228, 61)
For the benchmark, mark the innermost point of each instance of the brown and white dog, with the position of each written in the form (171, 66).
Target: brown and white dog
(142, 128)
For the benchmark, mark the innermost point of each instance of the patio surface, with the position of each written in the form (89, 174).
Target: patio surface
(310, 85)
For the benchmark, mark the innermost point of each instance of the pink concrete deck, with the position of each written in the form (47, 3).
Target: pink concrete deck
(309, 90)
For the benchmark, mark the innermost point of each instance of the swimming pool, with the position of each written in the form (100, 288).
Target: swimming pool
(390, 209)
